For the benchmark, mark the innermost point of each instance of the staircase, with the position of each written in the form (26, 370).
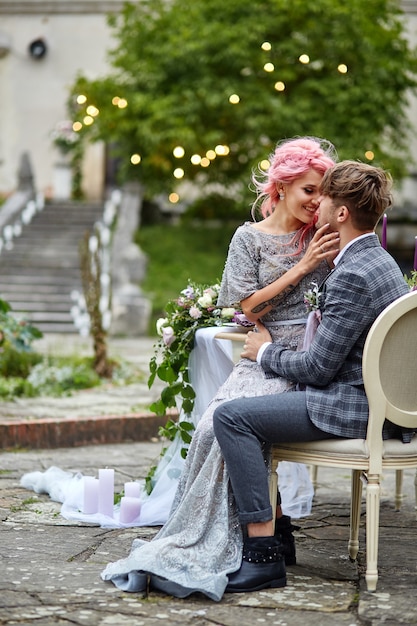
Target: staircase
(38, 274)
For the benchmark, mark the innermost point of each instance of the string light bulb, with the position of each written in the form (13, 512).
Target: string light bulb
(178, 152)
(92, 110)
(222, 150)
(279, 86)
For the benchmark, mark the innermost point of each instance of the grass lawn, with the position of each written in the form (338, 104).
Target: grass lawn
(179, 253)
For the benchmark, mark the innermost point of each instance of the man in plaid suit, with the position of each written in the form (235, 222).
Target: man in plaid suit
(366, 279)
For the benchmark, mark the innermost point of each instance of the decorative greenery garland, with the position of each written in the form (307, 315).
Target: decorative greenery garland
(196, 307)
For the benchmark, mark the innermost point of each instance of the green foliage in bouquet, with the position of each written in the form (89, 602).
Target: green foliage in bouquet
(196, 307)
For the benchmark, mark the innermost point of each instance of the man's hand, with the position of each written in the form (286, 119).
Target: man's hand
(254, 341)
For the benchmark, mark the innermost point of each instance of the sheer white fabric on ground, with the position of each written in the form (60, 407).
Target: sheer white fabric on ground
(211, 362)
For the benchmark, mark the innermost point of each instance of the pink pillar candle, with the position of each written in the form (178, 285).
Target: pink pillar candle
(132, 490)
(384, 232)
(106, 492)
(90, 502)
(129, 510)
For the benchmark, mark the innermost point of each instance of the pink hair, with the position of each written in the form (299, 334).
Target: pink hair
(292, 159)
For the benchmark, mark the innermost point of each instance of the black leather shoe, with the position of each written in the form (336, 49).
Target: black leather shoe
(262, 566)
(283, 531)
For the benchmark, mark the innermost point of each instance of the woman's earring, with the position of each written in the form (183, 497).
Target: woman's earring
(281, 195)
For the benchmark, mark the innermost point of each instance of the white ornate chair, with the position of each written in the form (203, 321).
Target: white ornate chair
(399, 479)
(238, 335)
(389, 372)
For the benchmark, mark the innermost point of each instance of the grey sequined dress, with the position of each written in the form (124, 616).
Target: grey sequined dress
(201, 541)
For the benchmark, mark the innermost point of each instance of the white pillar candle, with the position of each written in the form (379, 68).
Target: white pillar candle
(90, 503)
(132, 490)
(106, 491)
(129, 510)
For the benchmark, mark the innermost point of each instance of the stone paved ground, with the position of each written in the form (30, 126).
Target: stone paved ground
(50, 567)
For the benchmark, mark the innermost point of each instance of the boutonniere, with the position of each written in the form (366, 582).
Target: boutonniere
(312, 298)
(411, 280)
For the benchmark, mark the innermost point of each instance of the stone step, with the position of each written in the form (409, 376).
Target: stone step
(53, 220)
(40, 262)
(57, 278)
(65, 233)
(62, 305)
(60, 327)
(38, 317)
(80, 223)
(54, 246)
(34, 266)
(64, 279)
(40, 291)
(41, 267)
(58, 247)
(67, 280)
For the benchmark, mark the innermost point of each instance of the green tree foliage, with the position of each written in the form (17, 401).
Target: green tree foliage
(177, 62)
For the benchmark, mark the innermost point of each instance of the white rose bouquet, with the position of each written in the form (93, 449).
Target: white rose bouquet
(196, 307)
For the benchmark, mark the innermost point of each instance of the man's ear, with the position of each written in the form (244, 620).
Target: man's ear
(342, 213)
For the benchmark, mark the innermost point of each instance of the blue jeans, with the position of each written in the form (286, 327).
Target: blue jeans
(243, 427)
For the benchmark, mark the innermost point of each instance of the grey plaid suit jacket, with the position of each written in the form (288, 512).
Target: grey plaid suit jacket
(364, 282)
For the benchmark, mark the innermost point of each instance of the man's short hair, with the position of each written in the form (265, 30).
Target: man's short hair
(363, 188)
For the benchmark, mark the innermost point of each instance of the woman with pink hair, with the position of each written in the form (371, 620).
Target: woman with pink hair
(271, 263)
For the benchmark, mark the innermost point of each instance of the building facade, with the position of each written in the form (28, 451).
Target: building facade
(43, 45)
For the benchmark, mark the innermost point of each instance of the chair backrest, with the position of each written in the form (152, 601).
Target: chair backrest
(390, 371)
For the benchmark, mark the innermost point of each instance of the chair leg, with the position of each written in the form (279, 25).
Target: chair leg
(273, 487)
(415, 491)
(313, 475)
(398, 489)
(372, 530)
(355, 514)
